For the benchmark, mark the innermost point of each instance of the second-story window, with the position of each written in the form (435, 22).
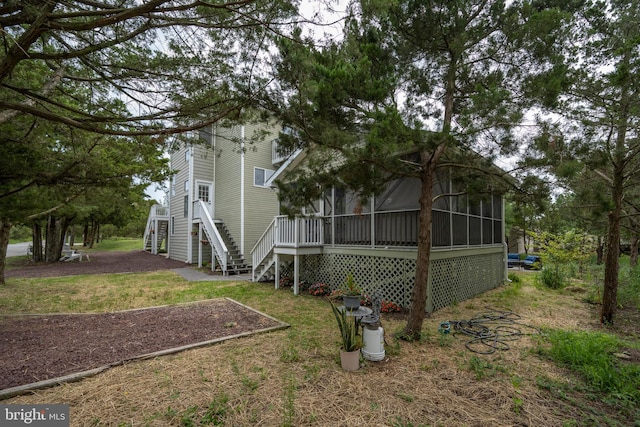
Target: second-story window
(261, 176)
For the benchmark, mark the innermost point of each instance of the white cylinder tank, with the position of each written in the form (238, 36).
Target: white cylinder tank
(373, 344)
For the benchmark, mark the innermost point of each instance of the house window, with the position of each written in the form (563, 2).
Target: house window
(203, 192)
(186, 155)
(172, 226)
(186, 206)
(173, 185)
(261, 176)
(186, 185)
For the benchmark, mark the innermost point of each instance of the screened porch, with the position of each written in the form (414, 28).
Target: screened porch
(391, 219)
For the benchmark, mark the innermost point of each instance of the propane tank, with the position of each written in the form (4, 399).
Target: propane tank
(373, 343)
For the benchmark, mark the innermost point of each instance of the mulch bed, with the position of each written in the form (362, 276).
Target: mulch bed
(43, 347)
(99, 263)
(41, 350)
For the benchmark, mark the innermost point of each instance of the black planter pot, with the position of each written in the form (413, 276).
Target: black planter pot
(351, 302)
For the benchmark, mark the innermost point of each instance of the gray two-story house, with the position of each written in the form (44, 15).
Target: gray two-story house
(224, 212)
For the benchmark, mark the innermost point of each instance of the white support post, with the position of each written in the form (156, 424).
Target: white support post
(373, 222)
(277, 269)
(199, 245)
(154, 237)
(333, 216)
(296, 274)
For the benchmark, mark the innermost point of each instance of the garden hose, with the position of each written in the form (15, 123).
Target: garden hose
(491, 331)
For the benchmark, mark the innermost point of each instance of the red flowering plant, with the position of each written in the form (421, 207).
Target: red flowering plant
(389, 307)
(319, 289)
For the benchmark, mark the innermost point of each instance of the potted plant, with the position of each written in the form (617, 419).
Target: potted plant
(351, 294)
(350, 340)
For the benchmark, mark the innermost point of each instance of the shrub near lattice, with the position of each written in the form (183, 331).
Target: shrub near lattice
(389, 307)
(319, 289)
(323, 289)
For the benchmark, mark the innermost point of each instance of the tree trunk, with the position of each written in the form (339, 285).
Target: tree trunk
(5, 228)
(428, 164)
(85, 235)
(611, 266)
(93, 231)
(599, 251)
(633, 256)
(612, 257)
(36, 242)
(56, 229)
(417, 311)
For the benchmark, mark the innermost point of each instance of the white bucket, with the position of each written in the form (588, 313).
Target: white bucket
(373, 344)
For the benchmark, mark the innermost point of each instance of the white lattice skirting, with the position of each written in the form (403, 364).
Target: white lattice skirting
(454, 275)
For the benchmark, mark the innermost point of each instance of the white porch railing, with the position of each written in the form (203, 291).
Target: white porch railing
(278, 154)
(299, 232)
(286, 232)
(201, 212)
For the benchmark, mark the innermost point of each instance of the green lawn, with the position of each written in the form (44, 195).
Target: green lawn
(293, 377)
(119, 244)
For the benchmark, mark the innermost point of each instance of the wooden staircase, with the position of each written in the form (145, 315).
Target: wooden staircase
(266, 270)
(224, 248)
(157, 229)
(236, 263)
(160, 235)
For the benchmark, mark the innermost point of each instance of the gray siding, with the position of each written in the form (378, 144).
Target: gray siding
(227, 179)
(261, 204)
(219, 161)
(178, 240)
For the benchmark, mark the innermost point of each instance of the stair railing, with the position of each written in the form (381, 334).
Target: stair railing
(263, 247)
(215, 239)
(155, 212)
(147, 231)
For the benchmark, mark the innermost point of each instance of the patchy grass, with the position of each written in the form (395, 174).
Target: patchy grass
(293, 377)
(592, 355)
(118, 244)
(92, 293)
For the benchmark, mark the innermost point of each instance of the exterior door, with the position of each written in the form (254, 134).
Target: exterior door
(205, 194)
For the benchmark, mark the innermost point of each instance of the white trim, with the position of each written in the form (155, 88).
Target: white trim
(213, 175)
(242, 189)
(190, 209)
